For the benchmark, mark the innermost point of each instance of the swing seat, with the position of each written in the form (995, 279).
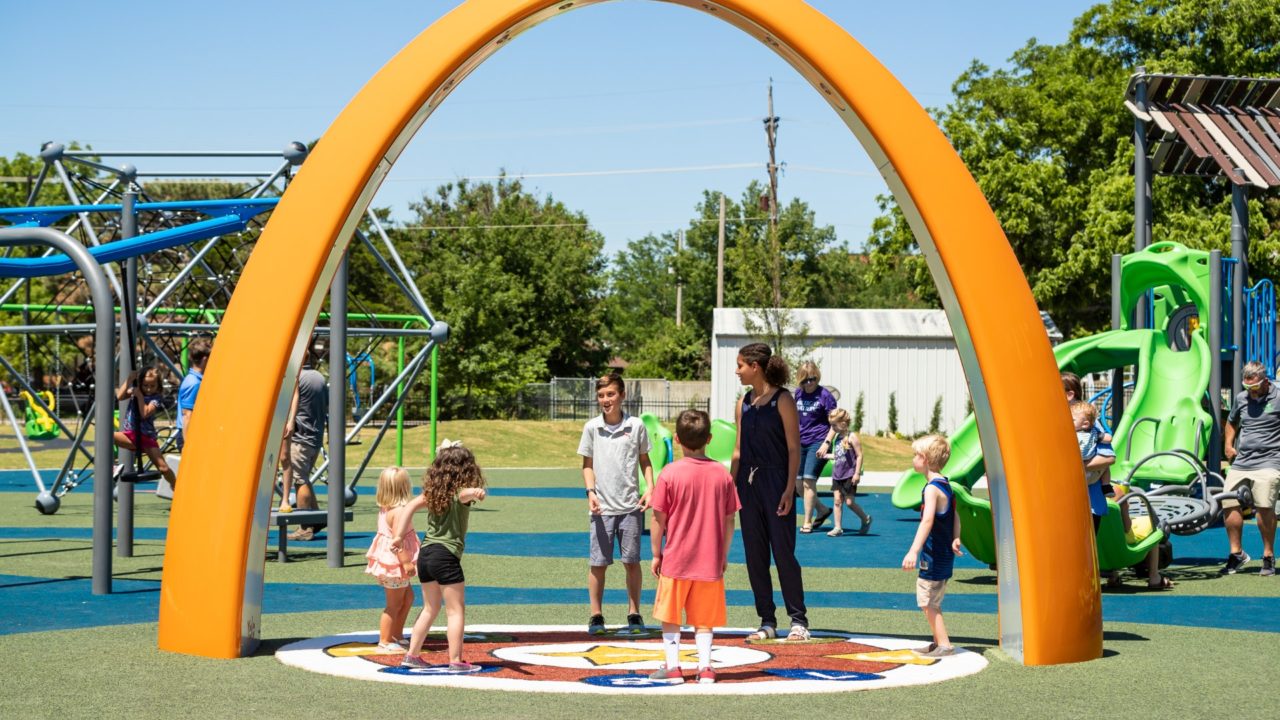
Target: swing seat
(139, 476)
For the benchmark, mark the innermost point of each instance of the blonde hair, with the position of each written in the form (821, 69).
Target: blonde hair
(808, 369)
(935, 449)
(839, 416)
(1084, 408)
(394, 489)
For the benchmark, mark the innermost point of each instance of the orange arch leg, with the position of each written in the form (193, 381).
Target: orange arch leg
(1049, 596)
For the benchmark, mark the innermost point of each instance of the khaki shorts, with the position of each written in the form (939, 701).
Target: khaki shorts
(929, 593)
(302, 458)
(1264, 482)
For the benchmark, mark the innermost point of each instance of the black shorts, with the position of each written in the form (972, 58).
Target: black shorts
(436, 564)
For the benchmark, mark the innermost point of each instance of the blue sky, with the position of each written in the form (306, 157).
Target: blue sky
(625, 110)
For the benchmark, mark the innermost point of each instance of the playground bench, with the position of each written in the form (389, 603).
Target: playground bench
(297, 517)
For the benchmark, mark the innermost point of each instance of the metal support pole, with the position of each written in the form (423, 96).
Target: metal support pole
(337, 414)
(104, 344)
(400, 410)
(1141, 190)
(720, 257)
(1117, 322)
(1214, 323)
(679, 284)
(128, 349)
(1239, 251)
(435, 368)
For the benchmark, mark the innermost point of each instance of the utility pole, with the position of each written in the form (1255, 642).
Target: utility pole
(720, 257)
(771, 135)
(679, 282)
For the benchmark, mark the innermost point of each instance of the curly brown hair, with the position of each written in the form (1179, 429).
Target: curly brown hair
(454, 468)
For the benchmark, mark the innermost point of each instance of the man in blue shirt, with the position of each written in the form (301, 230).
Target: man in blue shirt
(198, 354)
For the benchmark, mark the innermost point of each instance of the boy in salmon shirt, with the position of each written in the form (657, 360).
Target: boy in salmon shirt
(694, 504)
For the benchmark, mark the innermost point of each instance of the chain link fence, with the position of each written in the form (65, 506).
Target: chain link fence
(575, 398)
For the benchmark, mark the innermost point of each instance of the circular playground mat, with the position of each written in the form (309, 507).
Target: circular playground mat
(562, 658)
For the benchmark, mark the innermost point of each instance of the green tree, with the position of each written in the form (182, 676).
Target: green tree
(1050, 144)
(520, 281)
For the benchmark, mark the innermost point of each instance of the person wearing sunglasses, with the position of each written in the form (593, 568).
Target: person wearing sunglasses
(1252, 439)
(814, 403)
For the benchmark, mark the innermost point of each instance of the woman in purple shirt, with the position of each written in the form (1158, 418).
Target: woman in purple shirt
(813, 403)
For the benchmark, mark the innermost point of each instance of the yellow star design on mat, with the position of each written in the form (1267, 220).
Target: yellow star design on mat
(599, 655)
(896, 657)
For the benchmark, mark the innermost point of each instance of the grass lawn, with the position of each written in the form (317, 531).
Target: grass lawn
(496, 443)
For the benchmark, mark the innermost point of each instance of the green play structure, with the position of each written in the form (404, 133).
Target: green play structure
(39, 425)
(1165, 413)
(661, 449)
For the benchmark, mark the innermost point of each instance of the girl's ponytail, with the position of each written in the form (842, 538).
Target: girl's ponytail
(777, 372)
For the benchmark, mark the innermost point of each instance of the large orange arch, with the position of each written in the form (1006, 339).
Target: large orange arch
(1050, 607)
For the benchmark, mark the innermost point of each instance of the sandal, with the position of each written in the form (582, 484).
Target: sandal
(1165, 584)
(821, 518)
(766, 632)
(799, 633)
(806, 529)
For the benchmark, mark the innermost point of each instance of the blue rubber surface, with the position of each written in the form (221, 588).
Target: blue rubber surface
(37, 604)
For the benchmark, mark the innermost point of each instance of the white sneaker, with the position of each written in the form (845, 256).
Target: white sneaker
(391, 647)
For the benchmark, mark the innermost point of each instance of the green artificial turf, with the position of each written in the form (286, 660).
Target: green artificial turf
(115, 672)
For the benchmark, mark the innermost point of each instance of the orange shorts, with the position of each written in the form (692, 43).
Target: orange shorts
(702, 602)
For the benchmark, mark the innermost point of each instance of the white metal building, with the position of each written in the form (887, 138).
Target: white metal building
(875, 352)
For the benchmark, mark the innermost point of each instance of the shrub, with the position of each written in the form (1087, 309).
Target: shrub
(859, 414)
(935, 420)
(893, 414)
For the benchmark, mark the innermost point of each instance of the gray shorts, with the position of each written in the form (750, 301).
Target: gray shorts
(302, 458)
(624, 530)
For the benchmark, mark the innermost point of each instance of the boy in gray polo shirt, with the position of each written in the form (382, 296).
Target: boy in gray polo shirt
(614, 449)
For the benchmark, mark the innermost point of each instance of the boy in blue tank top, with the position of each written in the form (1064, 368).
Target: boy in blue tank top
(937, 539)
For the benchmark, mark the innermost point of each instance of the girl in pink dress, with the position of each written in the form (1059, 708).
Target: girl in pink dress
(393, 569)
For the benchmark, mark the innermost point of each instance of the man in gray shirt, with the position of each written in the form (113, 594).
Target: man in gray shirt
(1255, 462)
(305, 432)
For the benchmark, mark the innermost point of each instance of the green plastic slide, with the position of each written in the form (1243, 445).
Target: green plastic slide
(661, 450)
(1164, 412)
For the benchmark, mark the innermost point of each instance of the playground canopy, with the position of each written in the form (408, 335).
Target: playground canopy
(1208, 126)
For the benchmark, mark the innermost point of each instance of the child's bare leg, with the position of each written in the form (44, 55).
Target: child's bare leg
(430, 608)
(939, 628)
(595, 588)
(387, 631)
(402, 615)
(455, 607)
(158, 460)
(634, 580)
(122, 441)
(837, 506)
(856, 508)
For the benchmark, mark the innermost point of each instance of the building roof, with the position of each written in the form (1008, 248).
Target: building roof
(1208, 126)
(843, 322)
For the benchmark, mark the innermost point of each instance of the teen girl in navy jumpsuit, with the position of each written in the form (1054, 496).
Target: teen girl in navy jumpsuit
(764, 469)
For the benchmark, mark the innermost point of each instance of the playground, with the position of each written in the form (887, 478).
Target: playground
(198, 597)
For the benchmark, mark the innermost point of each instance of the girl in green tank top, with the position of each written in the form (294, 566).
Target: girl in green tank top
(452, 485)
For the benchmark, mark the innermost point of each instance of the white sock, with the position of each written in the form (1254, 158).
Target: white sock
(703, 641)
(671, 643)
